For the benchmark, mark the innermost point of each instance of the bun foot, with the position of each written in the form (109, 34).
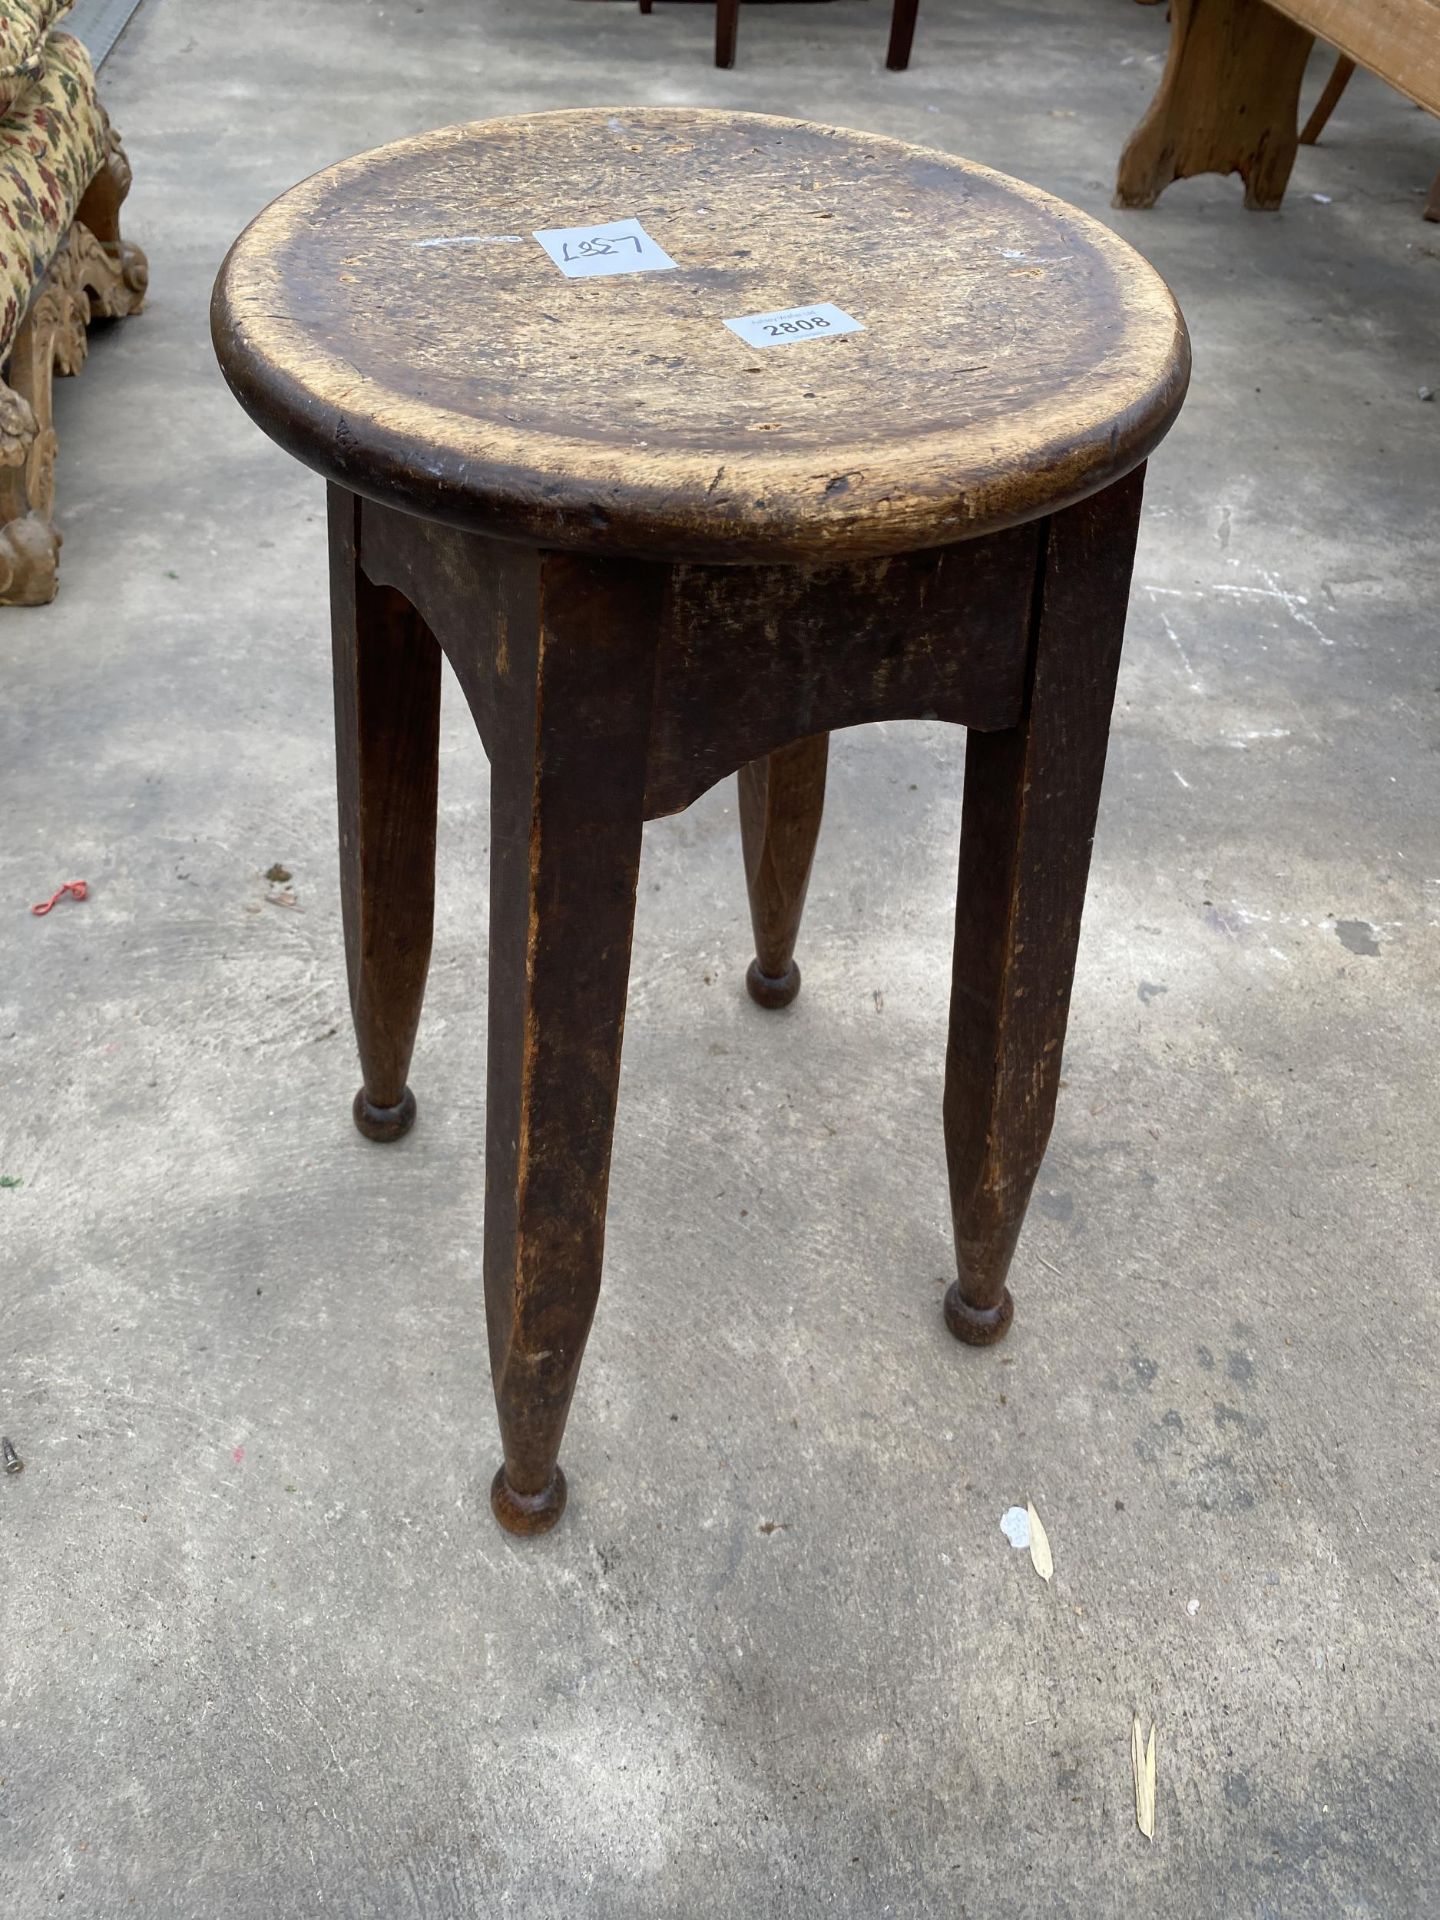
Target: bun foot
(384, 1123)
(977, 1326)
(771, 990)
(527, 1513)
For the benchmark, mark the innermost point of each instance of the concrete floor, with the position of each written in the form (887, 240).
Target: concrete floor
(264, 1652)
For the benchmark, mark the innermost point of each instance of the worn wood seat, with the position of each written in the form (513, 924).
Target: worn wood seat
(657, 555)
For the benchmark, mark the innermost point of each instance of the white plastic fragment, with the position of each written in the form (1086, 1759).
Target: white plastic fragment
(1015, 1525)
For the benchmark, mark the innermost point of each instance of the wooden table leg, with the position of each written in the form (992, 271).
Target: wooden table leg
(567, 807)
(781, 801)
(727, 27)
(1329, 99)
(1228, 102)
(1031, 797)
(387, 732)
(902, 34)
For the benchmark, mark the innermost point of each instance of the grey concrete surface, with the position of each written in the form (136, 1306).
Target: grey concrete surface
(263, 1651)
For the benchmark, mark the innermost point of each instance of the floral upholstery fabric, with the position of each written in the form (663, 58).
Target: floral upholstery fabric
(51, 148)
(23, 27)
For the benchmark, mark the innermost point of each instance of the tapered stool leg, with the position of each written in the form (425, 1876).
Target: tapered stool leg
(387, 732)
(567, 806)
(781, 801)
(902, 34)
(1031, 797)
(727, 28)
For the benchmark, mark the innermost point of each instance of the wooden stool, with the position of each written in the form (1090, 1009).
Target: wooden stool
(656, 554)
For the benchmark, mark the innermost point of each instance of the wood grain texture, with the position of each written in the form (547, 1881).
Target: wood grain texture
(387, 740)
(1228, 102)
(1031, 798)
(1397, 39)
(752, 658)
(749, 659)
(782, 798)
(1017, 355)
(567, 806)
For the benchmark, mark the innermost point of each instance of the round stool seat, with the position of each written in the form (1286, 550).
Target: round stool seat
(394, 323)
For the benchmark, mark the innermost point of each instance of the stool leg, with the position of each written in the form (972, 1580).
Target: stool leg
(567, 807)
(727, 27)
(781, 800)
(1031, 797)
(387, 734)
(902, 34)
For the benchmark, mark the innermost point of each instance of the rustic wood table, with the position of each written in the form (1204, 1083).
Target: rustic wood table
(1229, 98)
(658, 550)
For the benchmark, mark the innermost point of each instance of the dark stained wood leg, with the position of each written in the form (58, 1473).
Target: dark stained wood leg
(727, 27)
(781, 801)
(567, 806)
(902, 34)
(1228, 102)
(1432, 201)
(387, 732)
(1329, 99)
(1031, 797)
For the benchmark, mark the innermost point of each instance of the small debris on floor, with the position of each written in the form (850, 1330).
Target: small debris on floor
(1040, 1557)
(13, 1462)
(1022, 1527)
(1426, 393)
(1323, 198)
(283, 897)
(1192, 1608)
(278, 875)
(1015, 1525)
(78, 889)
(1142, 1761)
(774, 1526)
(9, 1182)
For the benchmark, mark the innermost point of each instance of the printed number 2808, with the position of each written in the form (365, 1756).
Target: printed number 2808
(812, 325)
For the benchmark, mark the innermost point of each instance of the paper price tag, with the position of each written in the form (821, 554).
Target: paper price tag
(793, 324)
(618, 246)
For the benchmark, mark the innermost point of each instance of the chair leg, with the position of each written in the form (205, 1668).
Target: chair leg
(567, 805)
(727, 27)
(902, 34)
(1228, 102)
(387, 733)
(781, 801)
(1329, 99)
(1031, 798)
(1432, 201)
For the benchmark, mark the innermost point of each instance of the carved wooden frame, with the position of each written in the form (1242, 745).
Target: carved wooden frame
(95, 274)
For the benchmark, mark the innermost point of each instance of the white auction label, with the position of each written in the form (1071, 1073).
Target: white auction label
(619, 246)
(791, 324)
